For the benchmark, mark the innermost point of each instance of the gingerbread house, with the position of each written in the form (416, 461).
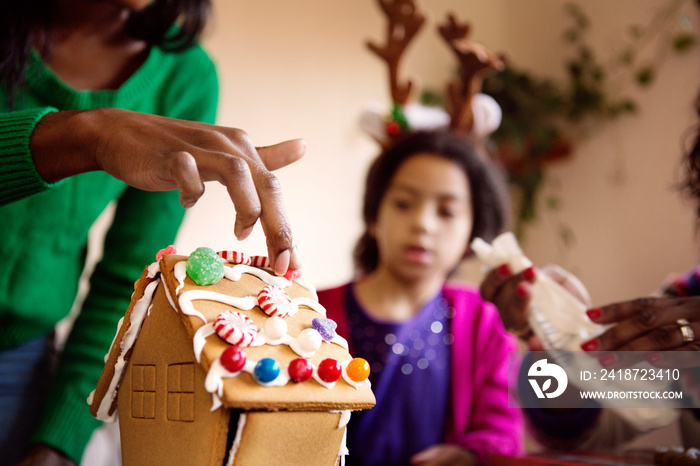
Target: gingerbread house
(243, 368)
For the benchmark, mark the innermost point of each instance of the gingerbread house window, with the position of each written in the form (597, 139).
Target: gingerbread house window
(181, 392)
(143, 388)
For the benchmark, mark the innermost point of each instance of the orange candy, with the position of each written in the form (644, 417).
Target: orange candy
(358, 370)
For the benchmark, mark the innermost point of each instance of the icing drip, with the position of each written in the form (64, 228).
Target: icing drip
(186, 298)
(200, 339)
(138, 314)
(237, 439)
(180, 272)
(344, 419)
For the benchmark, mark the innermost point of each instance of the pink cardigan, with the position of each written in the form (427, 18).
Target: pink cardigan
(479, 417)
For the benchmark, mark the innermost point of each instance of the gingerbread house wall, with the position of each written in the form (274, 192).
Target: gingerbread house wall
(164, 411)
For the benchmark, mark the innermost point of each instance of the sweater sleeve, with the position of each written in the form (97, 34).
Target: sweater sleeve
(18, 175)
(486, 418)
(144, 223)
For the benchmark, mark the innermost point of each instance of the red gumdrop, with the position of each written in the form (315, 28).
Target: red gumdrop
(233, 358)
(300, 370)
(292, 274)
(329, 370)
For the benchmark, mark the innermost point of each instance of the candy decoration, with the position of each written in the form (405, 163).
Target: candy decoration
(235, 328)
(260, 262)
(169, 250)
(300, 370)
(329, 370)
(309, 340)
(325, 327)
(204, 267)
(358, 369)
(267, 370)
(275, 327)
(274, 301)
(292, 274)
(234, 257)
(233, 359)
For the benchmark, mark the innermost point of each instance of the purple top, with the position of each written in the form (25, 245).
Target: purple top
(408, 360)
(477, 412)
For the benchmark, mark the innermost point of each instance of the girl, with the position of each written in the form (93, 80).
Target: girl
(99, 98)
(438, 353)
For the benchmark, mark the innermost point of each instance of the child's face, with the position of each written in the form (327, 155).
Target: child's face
(425, 218)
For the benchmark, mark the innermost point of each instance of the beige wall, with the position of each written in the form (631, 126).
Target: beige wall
(300, 69)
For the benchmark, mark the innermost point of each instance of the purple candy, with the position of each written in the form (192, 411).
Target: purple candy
(326, 327)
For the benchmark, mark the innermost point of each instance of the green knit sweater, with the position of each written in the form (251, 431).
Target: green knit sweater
(43, 238)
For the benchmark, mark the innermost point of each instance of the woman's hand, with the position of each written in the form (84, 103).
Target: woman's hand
(155, 153)
(444, 455)
(45, 455)
(648, 324)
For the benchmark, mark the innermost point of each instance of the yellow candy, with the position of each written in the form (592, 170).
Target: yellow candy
(358, 369)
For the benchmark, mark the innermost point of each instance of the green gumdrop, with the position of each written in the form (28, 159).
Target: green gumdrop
(204, 266)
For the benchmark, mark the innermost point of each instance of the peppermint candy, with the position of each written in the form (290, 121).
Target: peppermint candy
(260, 262)
(236, 328)
(274, 301)
(234, 257)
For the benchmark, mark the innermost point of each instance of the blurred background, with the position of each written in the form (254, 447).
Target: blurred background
(605, 208)
(608, 211)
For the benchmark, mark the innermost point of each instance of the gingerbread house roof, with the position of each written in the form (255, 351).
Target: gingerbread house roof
(271, 343)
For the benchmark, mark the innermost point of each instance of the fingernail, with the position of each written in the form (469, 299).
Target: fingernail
(529, 274)
(594, 314)
(607, 360)
(295, 260)
(282, 262)
(653, 357)
(523, 290)
(590, 345)
(504, 270)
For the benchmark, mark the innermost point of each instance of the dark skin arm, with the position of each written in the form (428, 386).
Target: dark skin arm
(155, 153)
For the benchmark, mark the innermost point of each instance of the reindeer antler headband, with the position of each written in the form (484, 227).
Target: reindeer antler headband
(467, 112)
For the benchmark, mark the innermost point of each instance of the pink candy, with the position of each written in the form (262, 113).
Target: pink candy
(236, 328)
(169, 250)
(234, 257)
(292, 274)
(274, 301)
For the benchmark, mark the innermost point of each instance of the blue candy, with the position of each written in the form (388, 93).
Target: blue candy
(326, 327)
(267, 370)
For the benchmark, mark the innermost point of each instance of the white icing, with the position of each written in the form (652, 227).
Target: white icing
(180, 272)
(318, 379)
(308, 302)
(119, 326)
(247, 303)
(237, 440)
(138, 314)
(200, 339)
(340, 341)
(234, 274)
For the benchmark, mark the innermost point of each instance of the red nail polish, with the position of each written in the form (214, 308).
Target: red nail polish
(653, 357)
(607, 360)
(529, 274)
(594, 314)
(522, 290)
(590, 345)
(504, 270)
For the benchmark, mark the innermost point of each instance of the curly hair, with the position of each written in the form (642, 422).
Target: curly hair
(488, 190)
(19, 21)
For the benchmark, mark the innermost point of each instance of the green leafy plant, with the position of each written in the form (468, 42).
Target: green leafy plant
(543, 118)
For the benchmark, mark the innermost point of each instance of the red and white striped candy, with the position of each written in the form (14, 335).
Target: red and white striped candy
(274, 301)
(235, 257)
(260, 262)
(292, 274)
(236, 328)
